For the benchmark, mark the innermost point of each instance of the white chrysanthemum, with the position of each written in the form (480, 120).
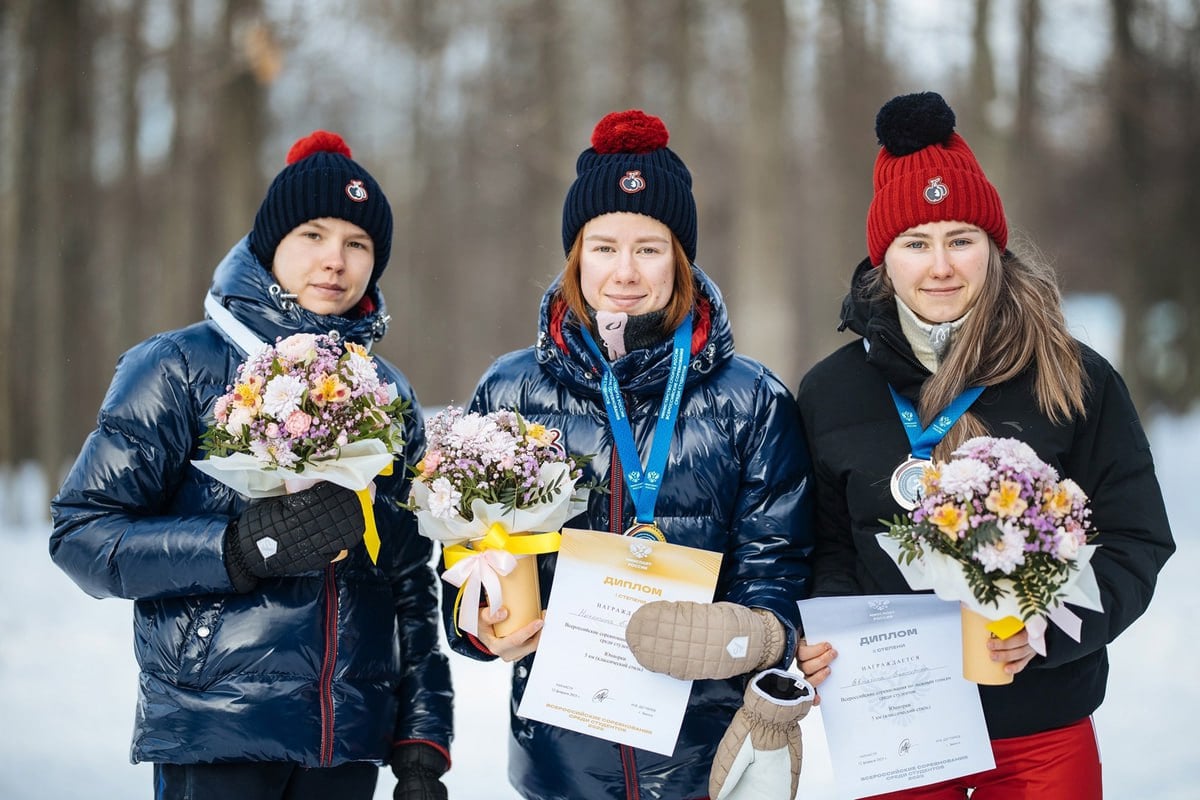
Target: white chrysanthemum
(1005, 555)
(1076, 495)
(468, 429)
(964, 476)
(443, 499)
(282, 395)
(481, 436)
(1020, 457)
(361, 370)
(261, 450)
(299, 347)
(285, 457)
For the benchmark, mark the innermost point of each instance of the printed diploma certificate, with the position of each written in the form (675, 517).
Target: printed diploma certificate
(584, 677)
(897, 711)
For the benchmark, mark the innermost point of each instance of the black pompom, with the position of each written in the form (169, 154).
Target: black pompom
(911, 122)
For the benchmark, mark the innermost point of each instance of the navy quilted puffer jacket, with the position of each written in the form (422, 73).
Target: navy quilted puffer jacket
(318, 669)
(737, 482)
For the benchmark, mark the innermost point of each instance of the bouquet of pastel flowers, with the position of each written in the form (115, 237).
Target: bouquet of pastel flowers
(305, 410)
(495, 489)
(997, 530)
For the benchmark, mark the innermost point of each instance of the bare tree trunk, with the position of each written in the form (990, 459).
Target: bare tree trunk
(16, 173)
(126, 233)
(763, 294)
(414, 282)
(1129, 161)
(61, 179)
(191, 238)
(852, 83)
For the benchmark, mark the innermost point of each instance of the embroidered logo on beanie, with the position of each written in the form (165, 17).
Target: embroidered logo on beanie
(633, 182)
(356, 191)
(936, 191)
(922, 156)
(630, 168)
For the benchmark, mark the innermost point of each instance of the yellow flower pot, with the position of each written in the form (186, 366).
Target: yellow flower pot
(977, 629)
(522, 596)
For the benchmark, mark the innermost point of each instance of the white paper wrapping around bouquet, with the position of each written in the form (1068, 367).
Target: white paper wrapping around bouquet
(356, 465)
(547, 516)
(944, 575)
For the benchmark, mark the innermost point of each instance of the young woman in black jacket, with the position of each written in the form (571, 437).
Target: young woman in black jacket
(941, 305)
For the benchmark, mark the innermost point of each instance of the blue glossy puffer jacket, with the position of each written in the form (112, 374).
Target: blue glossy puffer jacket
(737, 482)
(318, 669)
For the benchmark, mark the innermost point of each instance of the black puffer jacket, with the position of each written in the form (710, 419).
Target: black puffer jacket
(317, 669)
(737, 482)
(857, 440)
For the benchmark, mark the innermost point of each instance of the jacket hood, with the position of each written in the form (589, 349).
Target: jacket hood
(563, 353)
(858, 309)
(878, 323)
(249, 291)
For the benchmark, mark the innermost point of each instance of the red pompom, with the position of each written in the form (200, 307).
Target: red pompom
(318, 142)
(631, 131)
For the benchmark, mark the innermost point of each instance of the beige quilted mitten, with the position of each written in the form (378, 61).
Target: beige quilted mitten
(759, 756)
(699, 641)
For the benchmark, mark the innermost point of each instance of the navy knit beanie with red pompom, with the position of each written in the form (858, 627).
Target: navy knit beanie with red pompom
(322, 180)
(925, 172)
(630, 168)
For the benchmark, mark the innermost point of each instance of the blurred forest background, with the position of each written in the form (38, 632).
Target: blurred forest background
(137, 138)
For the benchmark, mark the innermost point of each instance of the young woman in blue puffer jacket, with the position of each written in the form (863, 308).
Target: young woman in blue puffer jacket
(735, 476)
(265, 677)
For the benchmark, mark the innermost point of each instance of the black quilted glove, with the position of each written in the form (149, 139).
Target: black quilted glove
(292, 533)
(418, 769)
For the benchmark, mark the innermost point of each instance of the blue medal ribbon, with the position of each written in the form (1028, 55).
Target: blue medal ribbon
(644, 485)
(921, 441)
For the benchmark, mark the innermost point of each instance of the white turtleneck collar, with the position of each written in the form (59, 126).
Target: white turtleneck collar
(930, 342)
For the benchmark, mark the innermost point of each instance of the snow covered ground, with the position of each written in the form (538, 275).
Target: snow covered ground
(68, 678)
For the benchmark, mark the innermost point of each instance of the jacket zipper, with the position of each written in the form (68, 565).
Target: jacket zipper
(616, 498)
(328, 663)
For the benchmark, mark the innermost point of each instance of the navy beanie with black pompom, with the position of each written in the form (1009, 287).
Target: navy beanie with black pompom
(322, 180)
(630, 168)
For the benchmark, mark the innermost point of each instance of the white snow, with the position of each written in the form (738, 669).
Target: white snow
(68, 677)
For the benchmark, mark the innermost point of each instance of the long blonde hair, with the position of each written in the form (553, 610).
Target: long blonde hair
(1017, 322)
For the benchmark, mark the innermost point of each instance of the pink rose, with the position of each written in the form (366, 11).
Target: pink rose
(298, 423)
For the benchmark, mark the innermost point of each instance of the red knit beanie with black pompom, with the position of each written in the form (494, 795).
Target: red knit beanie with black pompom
(630, 168)
(925, 172)
(321, 179)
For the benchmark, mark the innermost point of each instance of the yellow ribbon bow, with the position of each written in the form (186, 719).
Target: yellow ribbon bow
(479, 563)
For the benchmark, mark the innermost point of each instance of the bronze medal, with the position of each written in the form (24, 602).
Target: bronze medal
(645, 530)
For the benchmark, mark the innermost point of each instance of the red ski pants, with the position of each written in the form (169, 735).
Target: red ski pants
(1063, 764)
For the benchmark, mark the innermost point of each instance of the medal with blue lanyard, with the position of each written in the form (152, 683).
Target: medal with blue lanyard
(644, 484)
(906, 478)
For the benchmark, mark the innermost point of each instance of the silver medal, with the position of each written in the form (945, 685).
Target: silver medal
(906, 482)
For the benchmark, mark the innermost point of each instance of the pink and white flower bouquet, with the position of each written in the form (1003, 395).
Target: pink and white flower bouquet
(307, 409)
(997, 530)
(495, 489)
